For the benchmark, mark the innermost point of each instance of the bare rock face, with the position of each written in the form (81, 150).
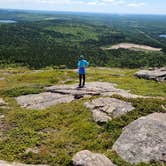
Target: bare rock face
(156, 74)
(43, 100)
(67, 93)
(87, 158)
(143, 140)
(5, 163)
(92, 88)
(105, 109)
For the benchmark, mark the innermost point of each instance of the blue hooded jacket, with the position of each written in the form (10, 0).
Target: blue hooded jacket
(82, 64)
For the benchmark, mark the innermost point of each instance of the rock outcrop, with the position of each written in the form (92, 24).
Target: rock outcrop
(105, 109)
(156, 74)
(67, 93)
(43, 100)
(143, 140)
(92, 88)
(5, 163)
(87, 158)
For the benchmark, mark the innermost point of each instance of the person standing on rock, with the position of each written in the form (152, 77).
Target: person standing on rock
(82, 64)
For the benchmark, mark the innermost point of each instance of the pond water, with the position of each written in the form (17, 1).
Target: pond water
(7, 21)
(163, 35)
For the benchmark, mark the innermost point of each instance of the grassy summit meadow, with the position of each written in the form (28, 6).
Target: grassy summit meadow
(57, 133)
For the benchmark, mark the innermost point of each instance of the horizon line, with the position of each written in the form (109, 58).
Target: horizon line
(86, 12)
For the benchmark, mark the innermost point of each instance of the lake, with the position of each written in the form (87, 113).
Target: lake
(7, 21)
(163, 35)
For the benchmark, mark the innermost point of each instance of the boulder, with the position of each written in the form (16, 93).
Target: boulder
(87, 158)
(155, 74)
(5, 163)
(43, 100)
(143, 140)
(105, 109)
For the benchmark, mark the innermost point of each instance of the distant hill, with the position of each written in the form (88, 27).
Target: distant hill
(39, 39)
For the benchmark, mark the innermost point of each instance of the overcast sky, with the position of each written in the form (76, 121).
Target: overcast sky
(104, 6)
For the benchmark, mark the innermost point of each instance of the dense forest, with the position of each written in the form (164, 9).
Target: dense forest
(40, 39)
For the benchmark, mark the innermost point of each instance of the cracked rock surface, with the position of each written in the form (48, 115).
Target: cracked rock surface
(91, 88)
(67, 93)
(105, 109)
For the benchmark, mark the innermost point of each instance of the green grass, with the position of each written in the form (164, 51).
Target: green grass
(125, 79)
(61, 131)
(18, 91)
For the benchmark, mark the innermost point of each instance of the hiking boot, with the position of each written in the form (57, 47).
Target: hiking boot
(79, 86)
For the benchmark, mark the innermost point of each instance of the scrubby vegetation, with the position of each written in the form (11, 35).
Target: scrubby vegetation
(60, 131)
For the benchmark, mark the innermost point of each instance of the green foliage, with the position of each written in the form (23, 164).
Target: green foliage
(39, 40)
(18, 91)
(136, 59)
(59, 132)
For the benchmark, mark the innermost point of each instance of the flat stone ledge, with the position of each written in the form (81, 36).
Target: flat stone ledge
(43, 100)
(67, 93)
(91, 88)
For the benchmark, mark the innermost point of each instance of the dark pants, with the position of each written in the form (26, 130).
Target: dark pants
(81, 77)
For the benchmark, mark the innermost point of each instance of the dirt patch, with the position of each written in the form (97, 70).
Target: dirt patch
(131, 46)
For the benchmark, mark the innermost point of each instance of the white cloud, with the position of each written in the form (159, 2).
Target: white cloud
(136, 4)
(76, 5)
(78, 2)
(108, 1)
(55, 1)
